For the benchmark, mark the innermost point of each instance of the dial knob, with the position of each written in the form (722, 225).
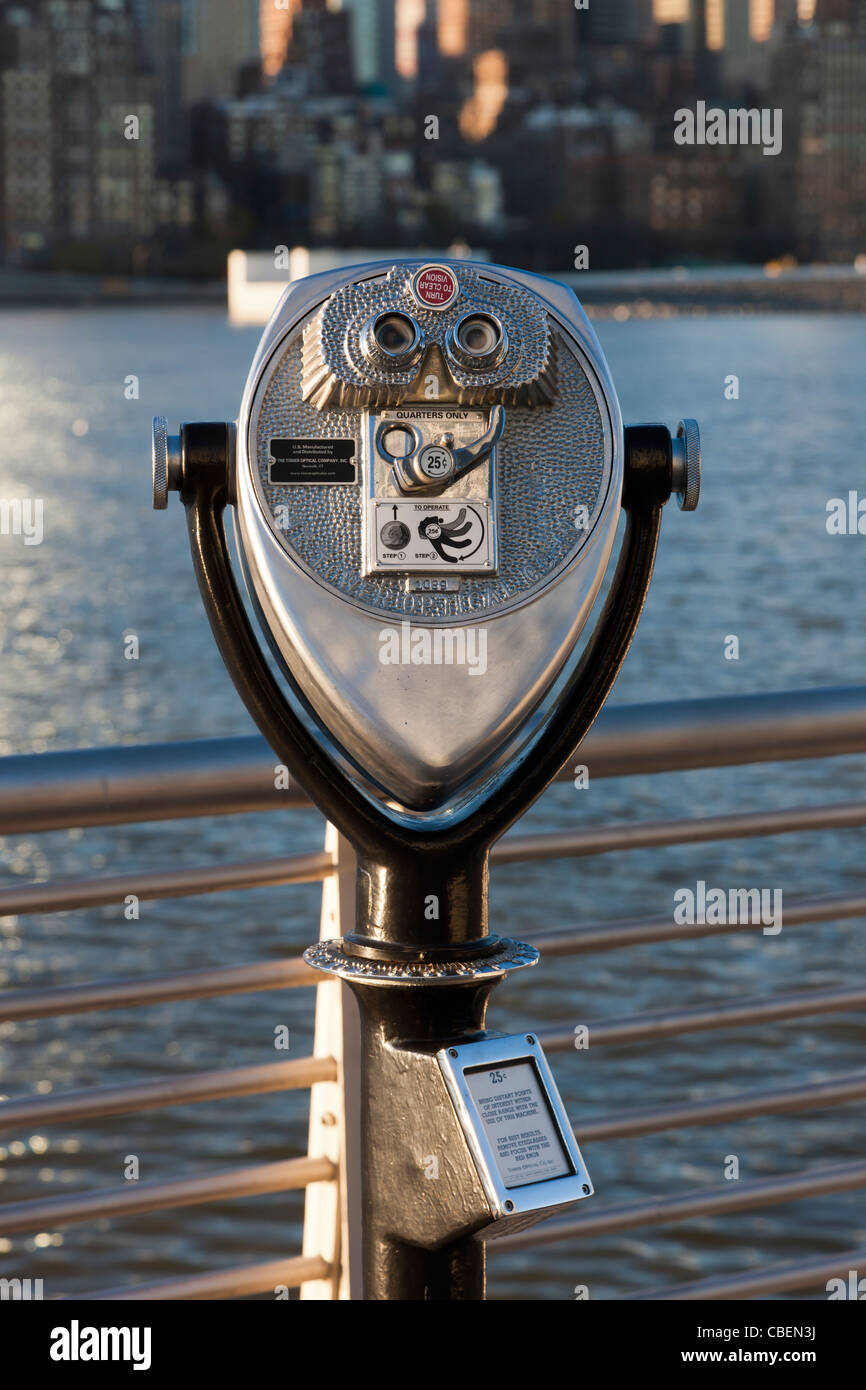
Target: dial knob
(166, 462)
(687, 465)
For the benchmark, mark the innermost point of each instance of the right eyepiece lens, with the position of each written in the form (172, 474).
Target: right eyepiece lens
(395, 334)
(478, 342)
(479, 336)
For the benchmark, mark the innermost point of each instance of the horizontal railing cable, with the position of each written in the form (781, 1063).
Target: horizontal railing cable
(784, 1278)
(671, 1023)
(66, 895)
(642, 931)
(220, 1283)
(142, 782)
(169, 781)
(606, 839)
(713, 1201)
(19, 1004)
(276, 975)
(628, 1124)
(47, 1213)
(170, 1090)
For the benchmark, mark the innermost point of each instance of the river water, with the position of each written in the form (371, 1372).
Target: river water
(756, 562)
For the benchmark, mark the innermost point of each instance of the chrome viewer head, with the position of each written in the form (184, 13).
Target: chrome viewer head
(427, 480)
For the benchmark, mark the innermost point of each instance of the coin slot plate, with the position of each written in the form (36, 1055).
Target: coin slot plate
(450, 532)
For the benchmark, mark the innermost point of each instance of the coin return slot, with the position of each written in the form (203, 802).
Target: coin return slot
(399, 443)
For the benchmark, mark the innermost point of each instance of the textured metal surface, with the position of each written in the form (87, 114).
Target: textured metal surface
(160, 462)
(551, 461)
(338, 374)
(426, 735)
(330, 957)
(690, 490)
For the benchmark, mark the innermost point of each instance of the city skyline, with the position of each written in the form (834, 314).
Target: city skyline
(525, 126)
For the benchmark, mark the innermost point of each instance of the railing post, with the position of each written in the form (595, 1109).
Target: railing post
(332, 1225)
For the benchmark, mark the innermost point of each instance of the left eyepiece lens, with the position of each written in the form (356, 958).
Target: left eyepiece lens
(395, 334)
(392, 339)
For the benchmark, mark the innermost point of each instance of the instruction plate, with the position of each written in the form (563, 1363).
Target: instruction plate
(516, 1129)
(451, 537)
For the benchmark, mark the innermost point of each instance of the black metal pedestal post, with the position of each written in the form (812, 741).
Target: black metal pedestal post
(421, 1194)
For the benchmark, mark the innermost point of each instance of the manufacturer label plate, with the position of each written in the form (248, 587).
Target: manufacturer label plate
(312, 461)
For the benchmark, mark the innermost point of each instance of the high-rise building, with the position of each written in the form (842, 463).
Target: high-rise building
(484, 22)
(534, 39)
(646, 23)
(762, 17)
(737, 39)
(373, 41)
(481, 112)
(160, 27)
(615, 21)
(848, 12)
(76, 130)
(321, 49)
(27, 190)
(671, 11)
(275, 34)
(409, 15)
(452, 27)
(219, 38)
(831, 168)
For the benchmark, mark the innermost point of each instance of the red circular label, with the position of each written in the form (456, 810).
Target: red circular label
(435, 287)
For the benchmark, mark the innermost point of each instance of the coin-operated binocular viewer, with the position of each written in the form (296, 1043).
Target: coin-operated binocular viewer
(426, 475)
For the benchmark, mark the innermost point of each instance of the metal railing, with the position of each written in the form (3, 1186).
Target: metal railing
(212, 777)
